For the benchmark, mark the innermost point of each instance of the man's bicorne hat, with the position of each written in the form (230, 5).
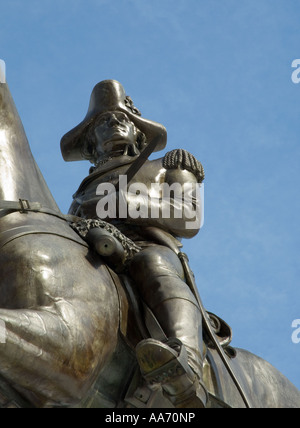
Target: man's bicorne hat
(109, 95)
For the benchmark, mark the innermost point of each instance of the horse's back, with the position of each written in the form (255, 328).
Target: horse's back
(269, 388)
(263, 384)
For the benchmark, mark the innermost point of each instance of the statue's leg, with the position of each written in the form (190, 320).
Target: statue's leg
(159, 275)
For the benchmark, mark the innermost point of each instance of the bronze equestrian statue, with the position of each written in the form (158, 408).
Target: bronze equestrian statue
(103, 310)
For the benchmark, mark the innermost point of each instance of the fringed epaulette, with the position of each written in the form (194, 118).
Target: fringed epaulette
(180, 158)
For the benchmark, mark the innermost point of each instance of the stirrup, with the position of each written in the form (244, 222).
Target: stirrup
(161, 365)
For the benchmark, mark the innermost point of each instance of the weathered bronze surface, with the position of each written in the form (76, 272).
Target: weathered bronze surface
(105, 313)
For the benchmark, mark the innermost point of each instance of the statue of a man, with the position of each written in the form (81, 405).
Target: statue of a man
(112, 136)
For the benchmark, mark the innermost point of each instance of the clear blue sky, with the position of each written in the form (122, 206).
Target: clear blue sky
(217, 74)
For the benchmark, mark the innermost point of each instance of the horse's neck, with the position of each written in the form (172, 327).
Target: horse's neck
(20, 176)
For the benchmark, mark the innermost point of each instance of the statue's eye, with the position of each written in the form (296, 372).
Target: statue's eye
(104, 118)
(122, 117)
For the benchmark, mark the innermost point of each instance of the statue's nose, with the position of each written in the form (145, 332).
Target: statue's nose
(113, 120)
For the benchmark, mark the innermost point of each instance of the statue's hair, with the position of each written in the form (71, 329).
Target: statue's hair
(89, 141)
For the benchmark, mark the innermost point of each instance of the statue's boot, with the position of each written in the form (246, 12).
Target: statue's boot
(163, 365)
(176, 365)
(161, 282)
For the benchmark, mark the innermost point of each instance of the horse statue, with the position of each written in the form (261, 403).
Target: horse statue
(70, 324)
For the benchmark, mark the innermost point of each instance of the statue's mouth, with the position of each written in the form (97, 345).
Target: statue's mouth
(119, 151)
(131, 150)
(122, 148)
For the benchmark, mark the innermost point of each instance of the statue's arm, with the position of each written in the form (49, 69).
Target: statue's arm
(174, 207)
(167, 196)
(185, 171)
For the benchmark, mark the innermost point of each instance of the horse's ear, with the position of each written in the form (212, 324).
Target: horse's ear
(20, 175)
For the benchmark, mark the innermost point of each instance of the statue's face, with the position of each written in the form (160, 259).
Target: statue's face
(114, 132)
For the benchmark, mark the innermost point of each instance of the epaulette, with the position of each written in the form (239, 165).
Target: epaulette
(180, 158)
